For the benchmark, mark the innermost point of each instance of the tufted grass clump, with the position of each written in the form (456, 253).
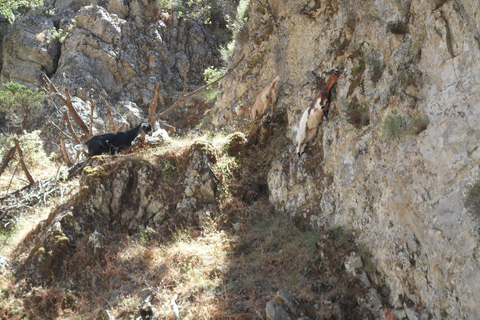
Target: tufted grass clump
(357, 114)
(393, 126)
(397, 27)
(472, 198)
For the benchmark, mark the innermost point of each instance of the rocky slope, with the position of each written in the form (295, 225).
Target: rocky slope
(395, 161)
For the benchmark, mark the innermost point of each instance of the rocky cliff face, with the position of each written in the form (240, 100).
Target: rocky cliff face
(401, 148)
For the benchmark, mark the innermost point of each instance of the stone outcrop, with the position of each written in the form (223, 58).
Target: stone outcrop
(126, 196)
(114, 49)
(29, 49)
(401, 193)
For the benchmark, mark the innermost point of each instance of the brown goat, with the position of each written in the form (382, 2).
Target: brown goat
(313, 116)
(322, 99)
(264, 100)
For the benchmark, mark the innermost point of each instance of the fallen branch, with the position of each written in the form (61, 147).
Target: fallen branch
(174, 306)
(121, 127)
(54, 89)
(184, 96)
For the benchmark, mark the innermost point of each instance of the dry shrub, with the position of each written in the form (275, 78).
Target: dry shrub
(397, 27)
(357, 114)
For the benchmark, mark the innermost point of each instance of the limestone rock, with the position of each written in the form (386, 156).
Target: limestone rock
(29, 49)
(275, 312)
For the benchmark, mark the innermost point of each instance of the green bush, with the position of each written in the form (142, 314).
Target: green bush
(18, 102)
(8, 8)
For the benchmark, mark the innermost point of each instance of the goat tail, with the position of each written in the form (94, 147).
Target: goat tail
(274, 83)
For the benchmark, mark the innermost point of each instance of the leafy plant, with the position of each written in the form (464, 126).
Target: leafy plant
(211, 74)
(8, 8)
(18, 102)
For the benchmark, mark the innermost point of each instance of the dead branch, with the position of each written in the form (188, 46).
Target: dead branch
(64, 153)
(121, 127)
(6, 159)
(153, 105)
(61, 131)
(174, 306)
(109, 114)
(75, 115)
(77, 168)
(151, 111)
(92, 107)
(68, 103)
(184, 96)
(22, 163)
(54, 89)
(70, 128)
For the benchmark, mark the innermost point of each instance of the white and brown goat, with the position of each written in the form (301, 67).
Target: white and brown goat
(313, 116)
(264, 100)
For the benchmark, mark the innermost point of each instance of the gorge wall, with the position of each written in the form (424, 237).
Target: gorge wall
(401, 192)
(393, 164)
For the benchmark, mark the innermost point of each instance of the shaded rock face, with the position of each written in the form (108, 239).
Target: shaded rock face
(116, 49)
(414, 61)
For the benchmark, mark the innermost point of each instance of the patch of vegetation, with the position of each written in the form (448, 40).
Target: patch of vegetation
(8, 8)
(377, 70)
(357, 71)
(394, 126)
(238, 27)
(357, 114)
(472, 198)
(61, 34)
(397, 27)
(359, 68)
(211, 74)
(18, 102)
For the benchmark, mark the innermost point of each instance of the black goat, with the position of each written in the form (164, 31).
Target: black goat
(116, 141)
